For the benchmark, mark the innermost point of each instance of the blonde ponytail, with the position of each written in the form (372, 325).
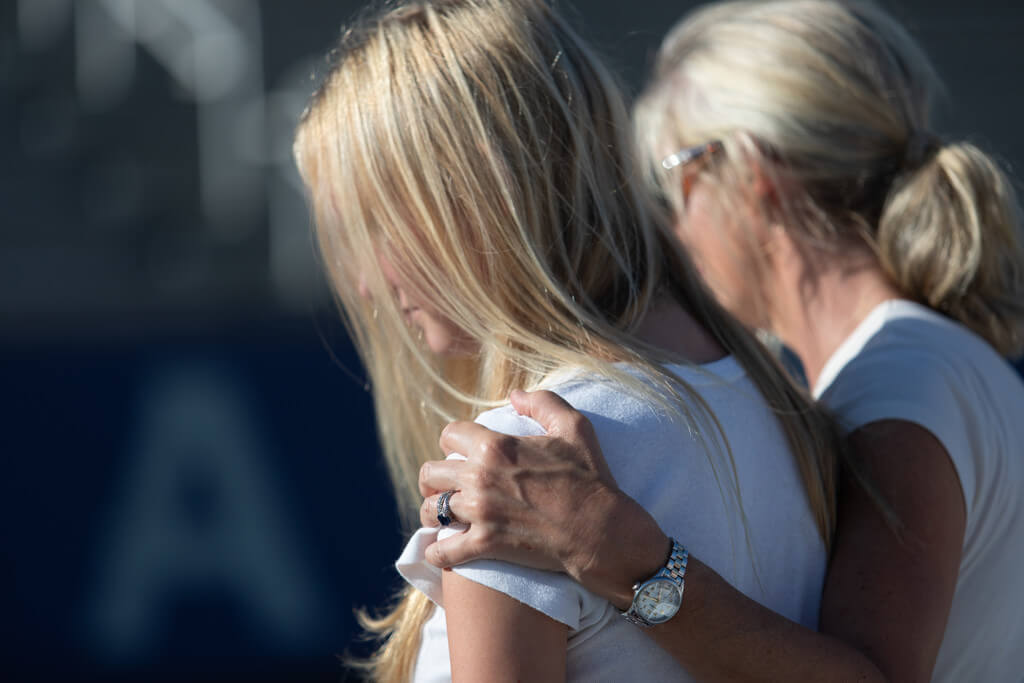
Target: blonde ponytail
(949, 237)
(832, 99)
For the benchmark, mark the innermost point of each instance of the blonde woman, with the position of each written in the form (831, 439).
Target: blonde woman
(792, 138)
(476, 207)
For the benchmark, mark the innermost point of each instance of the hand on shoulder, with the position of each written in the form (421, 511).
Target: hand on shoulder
(548, 502)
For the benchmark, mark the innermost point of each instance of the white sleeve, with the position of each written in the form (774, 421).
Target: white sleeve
(551, 593)
(911, 385)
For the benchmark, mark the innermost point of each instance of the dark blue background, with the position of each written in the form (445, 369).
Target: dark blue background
(74, 439)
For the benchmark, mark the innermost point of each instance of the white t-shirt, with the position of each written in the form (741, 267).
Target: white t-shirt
(907, 362)
(658, 462)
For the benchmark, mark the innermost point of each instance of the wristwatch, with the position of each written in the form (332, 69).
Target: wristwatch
(657, 599)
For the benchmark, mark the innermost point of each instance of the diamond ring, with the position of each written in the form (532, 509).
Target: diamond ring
(444, 508)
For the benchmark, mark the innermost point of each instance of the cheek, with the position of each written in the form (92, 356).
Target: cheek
(387, 269)
(709, 243)
(720, 256)
(442, 336)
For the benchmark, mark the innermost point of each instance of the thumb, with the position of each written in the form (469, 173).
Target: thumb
(551, 412)
(559, 419)
(453, 550)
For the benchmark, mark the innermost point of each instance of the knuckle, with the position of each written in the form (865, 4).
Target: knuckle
(485, 509)
(577, 423)
(486, 537)
(471, 506)
(439, 555)
(484, 479)
(496, 448)
(481, 480)
(427, 512)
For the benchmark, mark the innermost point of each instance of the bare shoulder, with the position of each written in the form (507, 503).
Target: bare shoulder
(890, 587)
(494, 637)
(909, 465)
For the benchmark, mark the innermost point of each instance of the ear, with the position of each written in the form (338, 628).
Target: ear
(762, 195)
(775, 242)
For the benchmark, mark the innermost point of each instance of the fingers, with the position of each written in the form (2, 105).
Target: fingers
(428, 511)
(551, 412)
(454, 550)
(471, 439)
(440, 475)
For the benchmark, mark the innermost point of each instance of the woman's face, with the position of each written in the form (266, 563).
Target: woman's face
(441, 335)
(721, 251)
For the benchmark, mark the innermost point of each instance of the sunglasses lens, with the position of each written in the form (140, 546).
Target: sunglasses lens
(691, 161)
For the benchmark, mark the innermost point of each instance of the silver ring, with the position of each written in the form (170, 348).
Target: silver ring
(444, 508)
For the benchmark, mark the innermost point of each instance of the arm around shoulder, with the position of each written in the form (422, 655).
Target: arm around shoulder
(887, 595)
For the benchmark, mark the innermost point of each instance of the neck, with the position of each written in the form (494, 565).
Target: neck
(670, 327)
(821, 299)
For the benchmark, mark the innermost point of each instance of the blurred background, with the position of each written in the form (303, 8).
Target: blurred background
(191, 488)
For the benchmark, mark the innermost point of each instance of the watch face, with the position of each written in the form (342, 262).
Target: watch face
(658, 600)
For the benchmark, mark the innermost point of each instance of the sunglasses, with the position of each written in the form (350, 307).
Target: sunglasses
(692, 161)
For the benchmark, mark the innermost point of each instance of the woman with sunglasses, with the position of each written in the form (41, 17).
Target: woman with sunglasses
(793, 140)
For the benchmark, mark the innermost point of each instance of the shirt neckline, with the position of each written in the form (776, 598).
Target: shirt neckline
(861, 335)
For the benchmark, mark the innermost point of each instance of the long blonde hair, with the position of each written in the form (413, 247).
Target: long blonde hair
(485, 150)
(833, 98)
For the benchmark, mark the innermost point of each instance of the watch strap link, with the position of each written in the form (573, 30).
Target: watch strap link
(674, 570)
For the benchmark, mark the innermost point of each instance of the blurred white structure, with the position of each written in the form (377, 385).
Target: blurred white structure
(213, 52)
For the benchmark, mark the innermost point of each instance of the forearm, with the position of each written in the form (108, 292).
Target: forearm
(719, 634)
(625, 546)
(885, 603)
